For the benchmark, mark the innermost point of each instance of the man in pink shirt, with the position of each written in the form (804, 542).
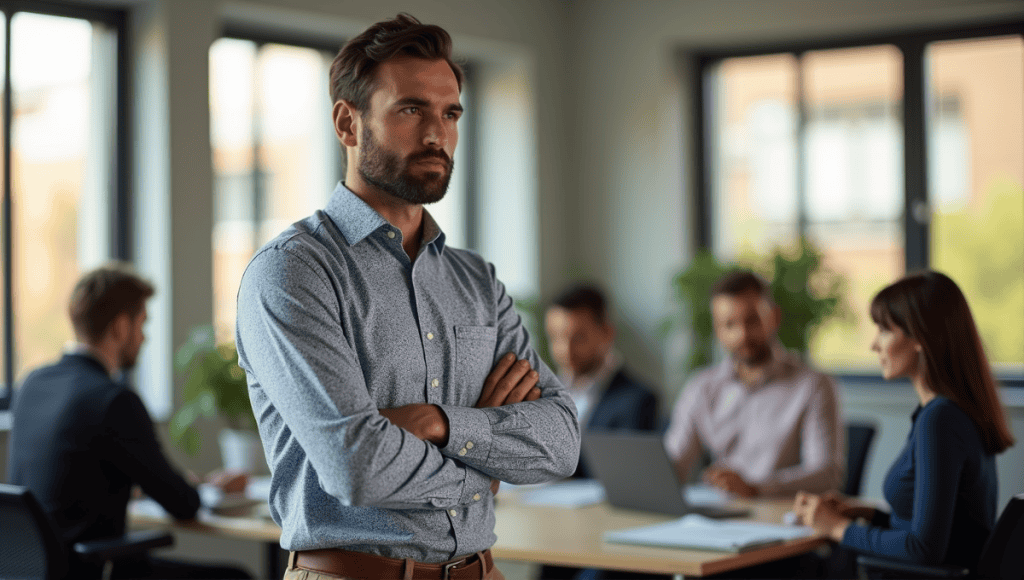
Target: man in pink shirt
(770, 422)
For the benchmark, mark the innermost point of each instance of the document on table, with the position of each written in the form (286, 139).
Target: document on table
(569, 493)
(697, 532)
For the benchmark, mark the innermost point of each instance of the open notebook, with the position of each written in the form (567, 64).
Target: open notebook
(697, 532)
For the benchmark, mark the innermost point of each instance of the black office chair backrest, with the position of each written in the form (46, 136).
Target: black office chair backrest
(1003, 554)
(29, 547)
(858, 442)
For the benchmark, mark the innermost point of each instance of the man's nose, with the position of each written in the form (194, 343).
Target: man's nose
(435, 134)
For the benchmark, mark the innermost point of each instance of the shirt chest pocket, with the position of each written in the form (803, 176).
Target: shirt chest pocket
(474, 358)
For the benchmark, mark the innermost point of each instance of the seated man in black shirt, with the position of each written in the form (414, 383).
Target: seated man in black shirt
(81, 439)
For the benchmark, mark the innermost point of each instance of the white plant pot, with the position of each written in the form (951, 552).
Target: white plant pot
(240, 450)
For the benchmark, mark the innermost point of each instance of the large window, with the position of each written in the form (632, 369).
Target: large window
(889, 155)
(276, 158)
(64, 198)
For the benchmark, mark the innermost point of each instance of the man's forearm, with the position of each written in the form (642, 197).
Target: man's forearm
(528, 442)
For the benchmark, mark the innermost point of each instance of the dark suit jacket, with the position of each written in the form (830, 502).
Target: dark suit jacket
(627, 404)
(80, 441)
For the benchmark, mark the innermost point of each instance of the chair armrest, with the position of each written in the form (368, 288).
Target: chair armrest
(126, 545)
(866, 563)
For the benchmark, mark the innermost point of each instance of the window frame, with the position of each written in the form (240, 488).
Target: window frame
(120, 194)
(912, 43)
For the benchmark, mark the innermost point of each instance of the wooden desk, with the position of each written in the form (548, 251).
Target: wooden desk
(573, 537)
(547, 535)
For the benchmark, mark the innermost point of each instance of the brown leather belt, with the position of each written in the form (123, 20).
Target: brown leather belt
(359, 565)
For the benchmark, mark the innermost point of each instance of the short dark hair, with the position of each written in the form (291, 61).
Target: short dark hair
(102, 295)
(352, 72)
(584, 297)
(929, 307)
(738, 282)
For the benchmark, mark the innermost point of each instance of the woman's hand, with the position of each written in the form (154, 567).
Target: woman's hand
(847, 507)
(821, 514)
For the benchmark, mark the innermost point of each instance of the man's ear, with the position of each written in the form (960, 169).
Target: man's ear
(346, 123)
(120, 327)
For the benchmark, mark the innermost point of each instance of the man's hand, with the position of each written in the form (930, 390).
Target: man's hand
(428, 422)
(730, 481)
(509, 382)
(229, 481)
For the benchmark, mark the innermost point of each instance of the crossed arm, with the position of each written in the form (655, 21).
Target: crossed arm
(309, 393)
(510, 381)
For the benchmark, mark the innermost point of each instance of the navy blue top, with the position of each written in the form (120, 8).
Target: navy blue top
(942, 491)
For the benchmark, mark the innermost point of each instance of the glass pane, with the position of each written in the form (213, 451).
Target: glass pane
(232, 84)
(276, 157)
(61, 74)
(976, 171)
(853, 180)
(753, 155)
(298, 146)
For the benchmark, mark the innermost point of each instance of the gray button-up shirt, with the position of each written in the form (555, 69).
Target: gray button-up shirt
(335, 322)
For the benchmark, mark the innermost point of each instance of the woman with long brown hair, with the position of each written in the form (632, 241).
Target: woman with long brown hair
(942, 486)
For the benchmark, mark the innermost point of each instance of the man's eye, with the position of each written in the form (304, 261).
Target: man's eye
(411, 110)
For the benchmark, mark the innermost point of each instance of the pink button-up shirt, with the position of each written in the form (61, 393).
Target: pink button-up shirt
(782, 435)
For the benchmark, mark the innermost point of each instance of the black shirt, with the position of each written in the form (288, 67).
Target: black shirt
(80, 441)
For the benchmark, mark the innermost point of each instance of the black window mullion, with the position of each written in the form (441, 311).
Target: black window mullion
(121, 206)
(916, 212)
(703, 135)
(8, 289)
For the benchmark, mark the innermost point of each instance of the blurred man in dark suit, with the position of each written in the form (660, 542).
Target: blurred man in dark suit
(582, 341)
(82, 439)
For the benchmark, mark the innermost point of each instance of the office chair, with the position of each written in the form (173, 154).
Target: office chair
(1001, 557)
(30, 548)
(858, 442)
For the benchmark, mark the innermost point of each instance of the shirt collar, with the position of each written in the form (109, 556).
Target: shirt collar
(356, 219)
(82, 349)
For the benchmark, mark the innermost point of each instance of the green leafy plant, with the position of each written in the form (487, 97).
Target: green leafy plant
(807, 292)
(215, 386)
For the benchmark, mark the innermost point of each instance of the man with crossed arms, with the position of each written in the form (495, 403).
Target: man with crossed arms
(393, 381)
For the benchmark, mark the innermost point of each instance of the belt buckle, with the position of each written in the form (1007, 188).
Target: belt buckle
(451, 566)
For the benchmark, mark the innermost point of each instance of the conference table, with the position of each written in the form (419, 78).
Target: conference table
(537, 534)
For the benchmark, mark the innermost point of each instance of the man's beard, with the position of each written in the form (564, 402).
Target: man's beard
(384, 170)
(758, 353)
(129, 356)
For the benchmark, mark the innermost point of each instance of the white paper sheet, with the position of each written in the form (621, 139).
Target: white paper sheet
(701, 533)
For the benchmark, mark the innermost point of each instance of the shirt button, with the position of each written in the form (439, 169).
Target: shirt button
(453, 513)
(430, 336)
(469, 444)
(391, 235)
(462, 452)
(434, 383)
(476, 497)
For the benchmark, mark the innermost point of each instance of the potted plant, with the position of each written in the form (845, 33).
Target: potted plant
(215, 386)
(808, 293)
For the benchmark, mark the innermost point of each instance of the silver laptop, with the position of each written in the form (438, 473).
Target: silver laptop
(637, 474)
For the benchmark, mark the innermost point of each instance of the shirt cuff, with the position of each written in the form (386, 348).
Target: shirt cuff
(476, 486)
(855, 535)
(469, 434)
